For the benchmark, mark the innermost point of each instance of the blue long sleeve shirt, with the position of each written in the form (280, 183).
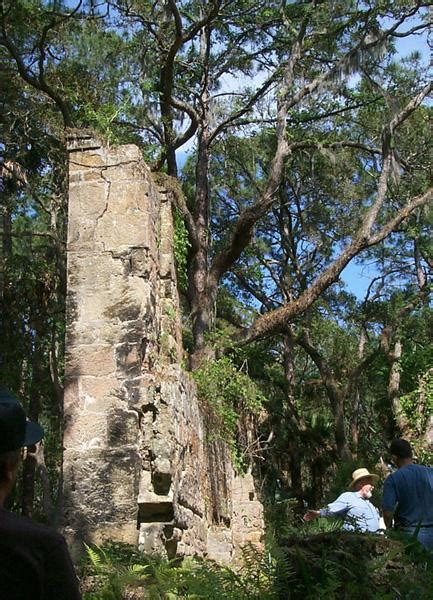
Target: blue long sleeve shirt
(359, 514)
(409, 491)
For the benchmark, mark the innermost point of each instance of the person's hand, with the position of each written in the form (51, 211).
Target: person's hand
(311, 514)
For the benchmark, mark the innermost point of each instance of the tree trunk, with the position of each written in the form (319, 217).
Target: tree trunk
(356, 404)
(296, 470)
(394, 389)
(295, 458)
(317, 474)
(335, 393)
(33, 411)
(6, 246)
(6, 255)
(28, 486)
(337, 399)
(167, 120)
(343, 449)
(201, 299)
(201, 291)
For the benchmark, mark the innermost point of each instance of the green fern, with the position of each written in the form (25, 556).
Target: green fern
(113, 575)
(95, 557)
(328, 565)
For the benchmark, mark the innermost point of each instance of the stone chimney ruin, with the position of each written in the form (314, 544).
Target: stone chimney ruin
(138, 466)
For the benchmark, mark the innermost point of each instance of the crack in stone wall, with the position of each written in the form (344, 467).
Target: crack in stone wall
(136, 457)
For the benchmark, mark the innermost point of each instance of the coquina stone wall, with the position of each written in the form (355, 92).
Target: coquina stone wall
(137, 464)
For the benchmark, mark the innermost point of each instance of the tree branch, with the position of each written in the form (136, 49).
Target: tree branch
(39, 82)
(242, 232)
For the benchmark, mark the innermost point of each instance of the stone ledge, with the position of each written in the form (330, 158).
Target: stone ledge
(78, 140)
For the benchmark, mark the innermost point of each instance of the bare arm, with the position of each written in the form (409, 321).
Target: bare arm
(310, 515)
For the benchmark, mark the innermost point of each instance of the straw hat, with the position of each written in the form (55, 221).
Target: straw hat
(360, 474)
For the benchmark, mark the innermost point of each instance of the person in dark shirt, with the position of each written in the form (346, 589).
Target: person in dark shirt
(34, 559)
(408, 495)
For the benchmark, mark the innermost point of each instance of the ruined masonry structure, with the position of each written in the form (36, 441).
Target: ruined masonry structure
(137, 466)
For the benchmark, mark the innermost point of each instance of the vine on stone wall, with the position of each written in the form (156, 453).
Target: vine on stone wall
(228, 393)
(181, 246)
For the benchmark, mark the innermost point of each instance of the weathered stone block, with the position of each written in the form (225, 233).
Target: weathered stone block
(128, 198)
(128, 360)
(102, 484)
(161, 449)
(92, 272)
(119, 231)
(151, 538)
(91, 199)
(142, 262)
(91, 175)
(81, 235)
(92, 158)
(126, 533)
(122, 427)
(219, 545)
(91, 360)
(86, 430)
(74, 179)
(99, 394)
(191, 481)
(166, 265)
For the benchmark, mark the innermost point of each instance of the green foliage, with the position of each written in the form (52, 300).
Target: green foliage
(284, 520)
(344, 565)
(115, 567)
(228, 393)
(417, 406)
(417, 409)
(102, 119)
(181, 246)
(112, 571)
(305, 565)
(140, 73)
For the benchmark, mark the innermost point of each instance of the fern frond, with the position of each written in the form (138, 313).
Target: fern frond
(94, 555)
(137, 569)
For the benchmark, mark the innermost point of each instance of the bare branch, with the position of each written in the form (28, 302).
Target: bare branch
(401, 215)
(177, 17)
(37, 82)
(242, 232)
(241, 112)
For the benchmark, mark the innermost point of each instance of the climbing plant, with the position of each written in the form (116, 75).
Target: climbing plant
(228, 393)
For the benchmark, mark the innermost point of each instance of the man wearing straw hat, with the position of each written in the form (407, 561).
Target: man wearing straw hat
(34, 560)
(354, 507)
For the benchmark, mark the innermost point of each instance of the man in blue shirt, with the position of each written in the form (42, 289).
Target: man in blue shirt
(354, 507)
(408, 495)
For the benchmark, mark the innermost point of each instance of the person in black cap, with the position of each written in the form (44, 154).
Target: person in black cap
(34, 559)
(408, 495)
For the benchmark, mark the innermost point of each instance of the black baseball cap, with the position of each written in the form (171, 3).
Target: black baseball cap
(401, 448)
(15, 430)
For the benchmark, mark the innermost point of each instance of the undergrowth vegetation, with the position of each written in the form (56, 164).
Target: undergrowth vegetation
(318, 561)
